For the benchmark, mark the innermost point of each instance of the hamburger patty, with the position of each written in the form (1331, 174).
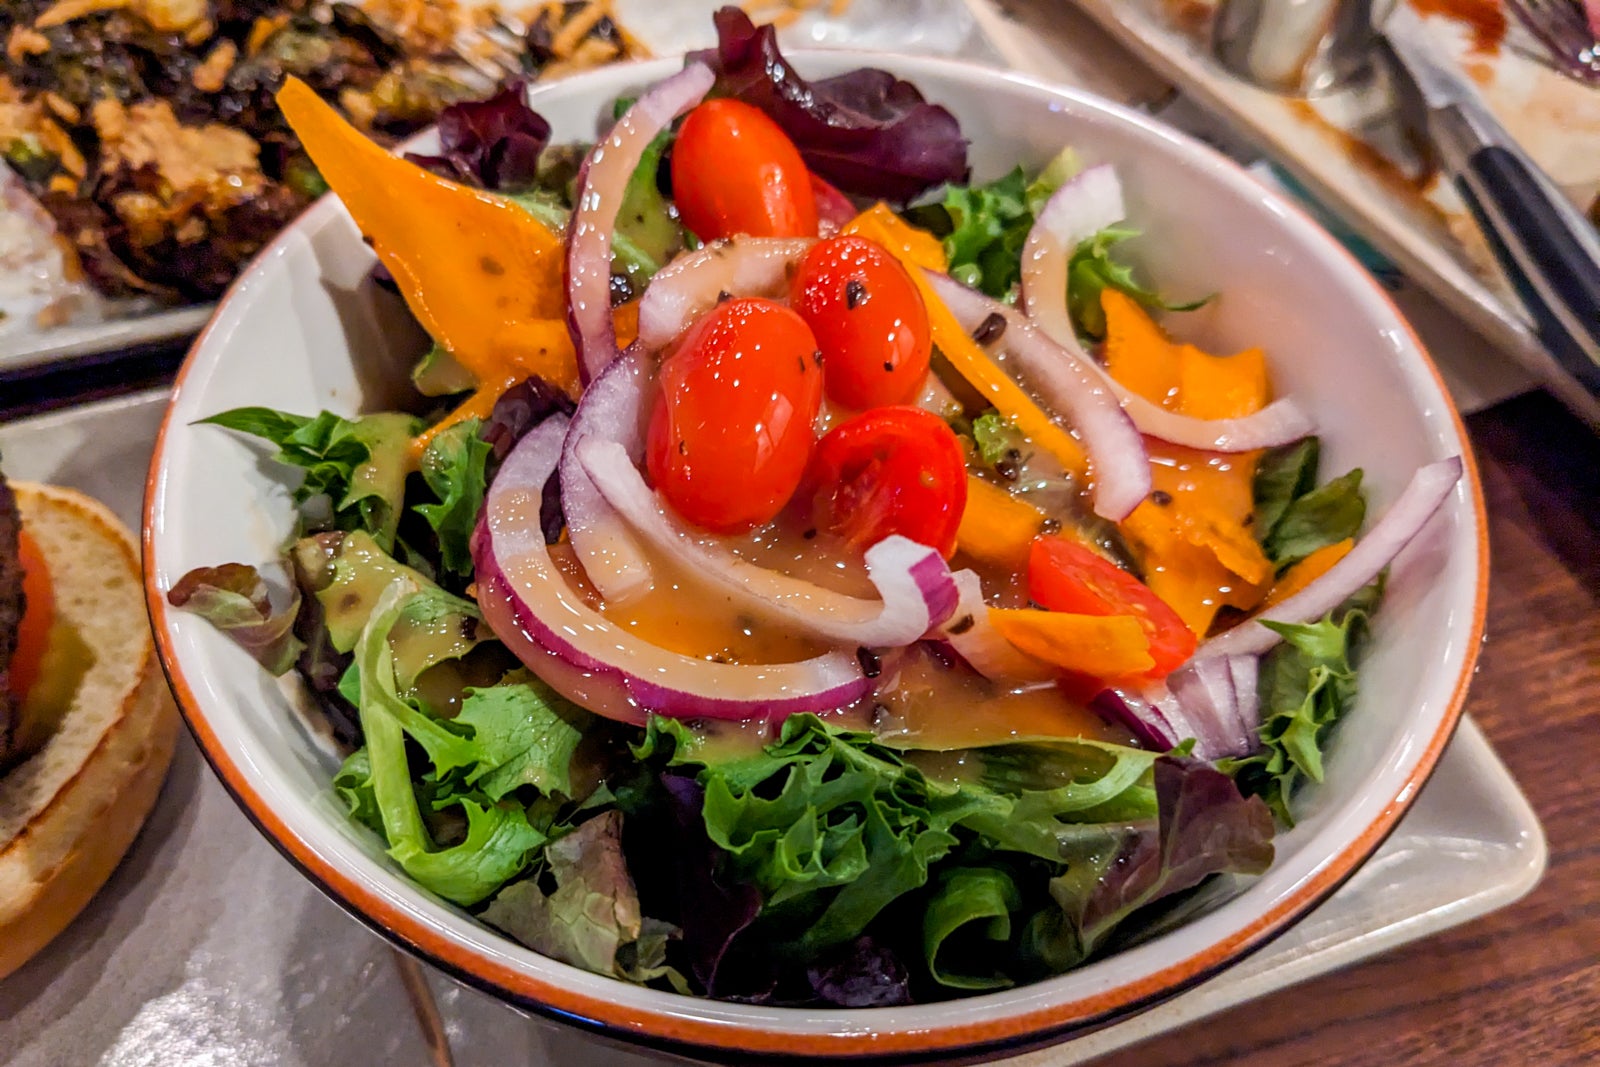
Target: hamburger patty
(10, 603)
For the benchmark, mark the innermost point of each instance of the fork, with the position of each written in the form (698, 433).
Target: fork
(1568, 30)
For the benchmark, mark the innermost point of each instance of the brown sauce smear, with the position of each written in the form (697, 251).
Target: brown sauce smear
(1485, 18)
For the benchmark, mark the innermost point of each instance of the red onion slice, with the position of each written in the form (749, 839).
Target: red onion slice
(1421, 500)
(913, 580)
(1246, 678)
(691, 285)
(602, 180)
(1076, 212)
(1081, 208)
(969, 633)
(1120, 465)
(1205, 700)
(612, 409)
(1205, 693)
(531, 607)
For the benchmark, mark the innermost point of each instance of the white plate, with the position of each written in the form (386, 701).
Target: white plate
(1402, 225)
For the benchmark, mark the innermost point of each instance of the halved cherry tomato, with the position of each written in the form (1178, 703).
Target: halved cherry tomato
(39, 615)
(892, 470)
(730, 436)
(1064, 576)
(735, 171)
(869, 319)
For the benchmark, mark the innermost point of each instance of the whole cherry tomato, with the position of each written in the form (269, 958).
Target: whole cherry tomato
(1065, 576)
(731, 432)
(891, 470)
(735, 171)
(869, 319)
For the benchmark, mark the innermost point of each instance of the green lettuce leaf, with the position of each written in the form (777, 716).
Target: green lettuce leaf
(234, 598)
(1307, 683)
(500, 841)
(359, 465)
(454, 467)
(353, 786)
(1283, 475)
(1091, 271)
(832, 826)
(526, 735)
(1293, 515)
(969, 918)
(1324, 516)
(591, 918)
(995, 437)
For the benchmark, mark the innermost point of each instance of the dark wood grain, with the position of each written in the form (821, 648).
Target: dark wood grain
(1521, 987)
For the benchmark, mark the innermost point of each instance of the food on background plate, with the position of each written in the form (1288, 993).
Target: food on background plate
(147, 130)
(815, 577)
(87, 724)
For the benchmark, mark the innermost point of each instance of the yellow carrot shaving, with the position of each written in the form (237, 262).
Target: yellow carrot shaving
(1105, 646)
(1307, 571)
(1198, 553)
(917, 249)
(477, 270)
(996, 526)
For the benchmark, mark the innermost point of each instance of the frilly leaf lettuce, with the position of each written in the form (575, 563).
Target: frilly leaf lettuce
(359, 465)
(453, 466)
(526, 735)
(499, 839)
(1091, 271)
(832, 827)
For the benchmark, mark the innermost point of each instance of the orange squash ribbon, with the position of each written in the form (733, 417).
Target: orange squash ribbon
(1192, 535)
(482, 276)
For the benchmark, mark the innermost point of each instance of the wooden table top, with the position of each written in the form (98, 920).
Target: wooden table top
(1521, 986)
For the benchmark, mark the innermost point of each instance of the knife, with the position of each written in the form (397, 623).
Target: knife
(1547, 248)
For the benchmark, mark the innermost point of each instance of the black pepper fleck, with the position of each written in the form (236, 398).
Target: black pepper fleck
(854, 293)
(871, 665)
(1160, 498)
(809, 534)
(1051, 525)
(683, 448)
(888, 366)
(990, 329)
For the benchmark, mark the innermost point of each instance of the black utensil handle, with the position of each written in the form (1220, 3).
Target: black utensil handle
(1556, 274)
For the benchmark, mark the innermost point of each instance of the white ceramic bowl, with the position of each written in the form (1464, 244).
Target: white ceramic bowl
(305, 329)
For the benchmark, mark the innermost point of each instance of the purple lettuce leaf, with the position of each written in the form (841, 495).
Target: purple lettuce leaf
(1206, 826)
(866, 131)
(233, 598)
(713, 914)
(868, 974)
(494, 143)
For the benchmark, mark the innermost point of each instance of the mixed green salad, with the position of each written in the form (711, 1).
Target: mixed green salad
(809, 576)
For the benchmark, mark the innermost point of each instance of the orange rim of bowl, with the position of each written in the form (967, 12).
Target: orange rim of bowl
(681, 1032)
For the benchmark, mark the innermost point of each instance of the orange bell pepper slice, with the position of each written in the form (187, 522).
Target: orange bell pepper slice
(1105, 646)
(1197, 550)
